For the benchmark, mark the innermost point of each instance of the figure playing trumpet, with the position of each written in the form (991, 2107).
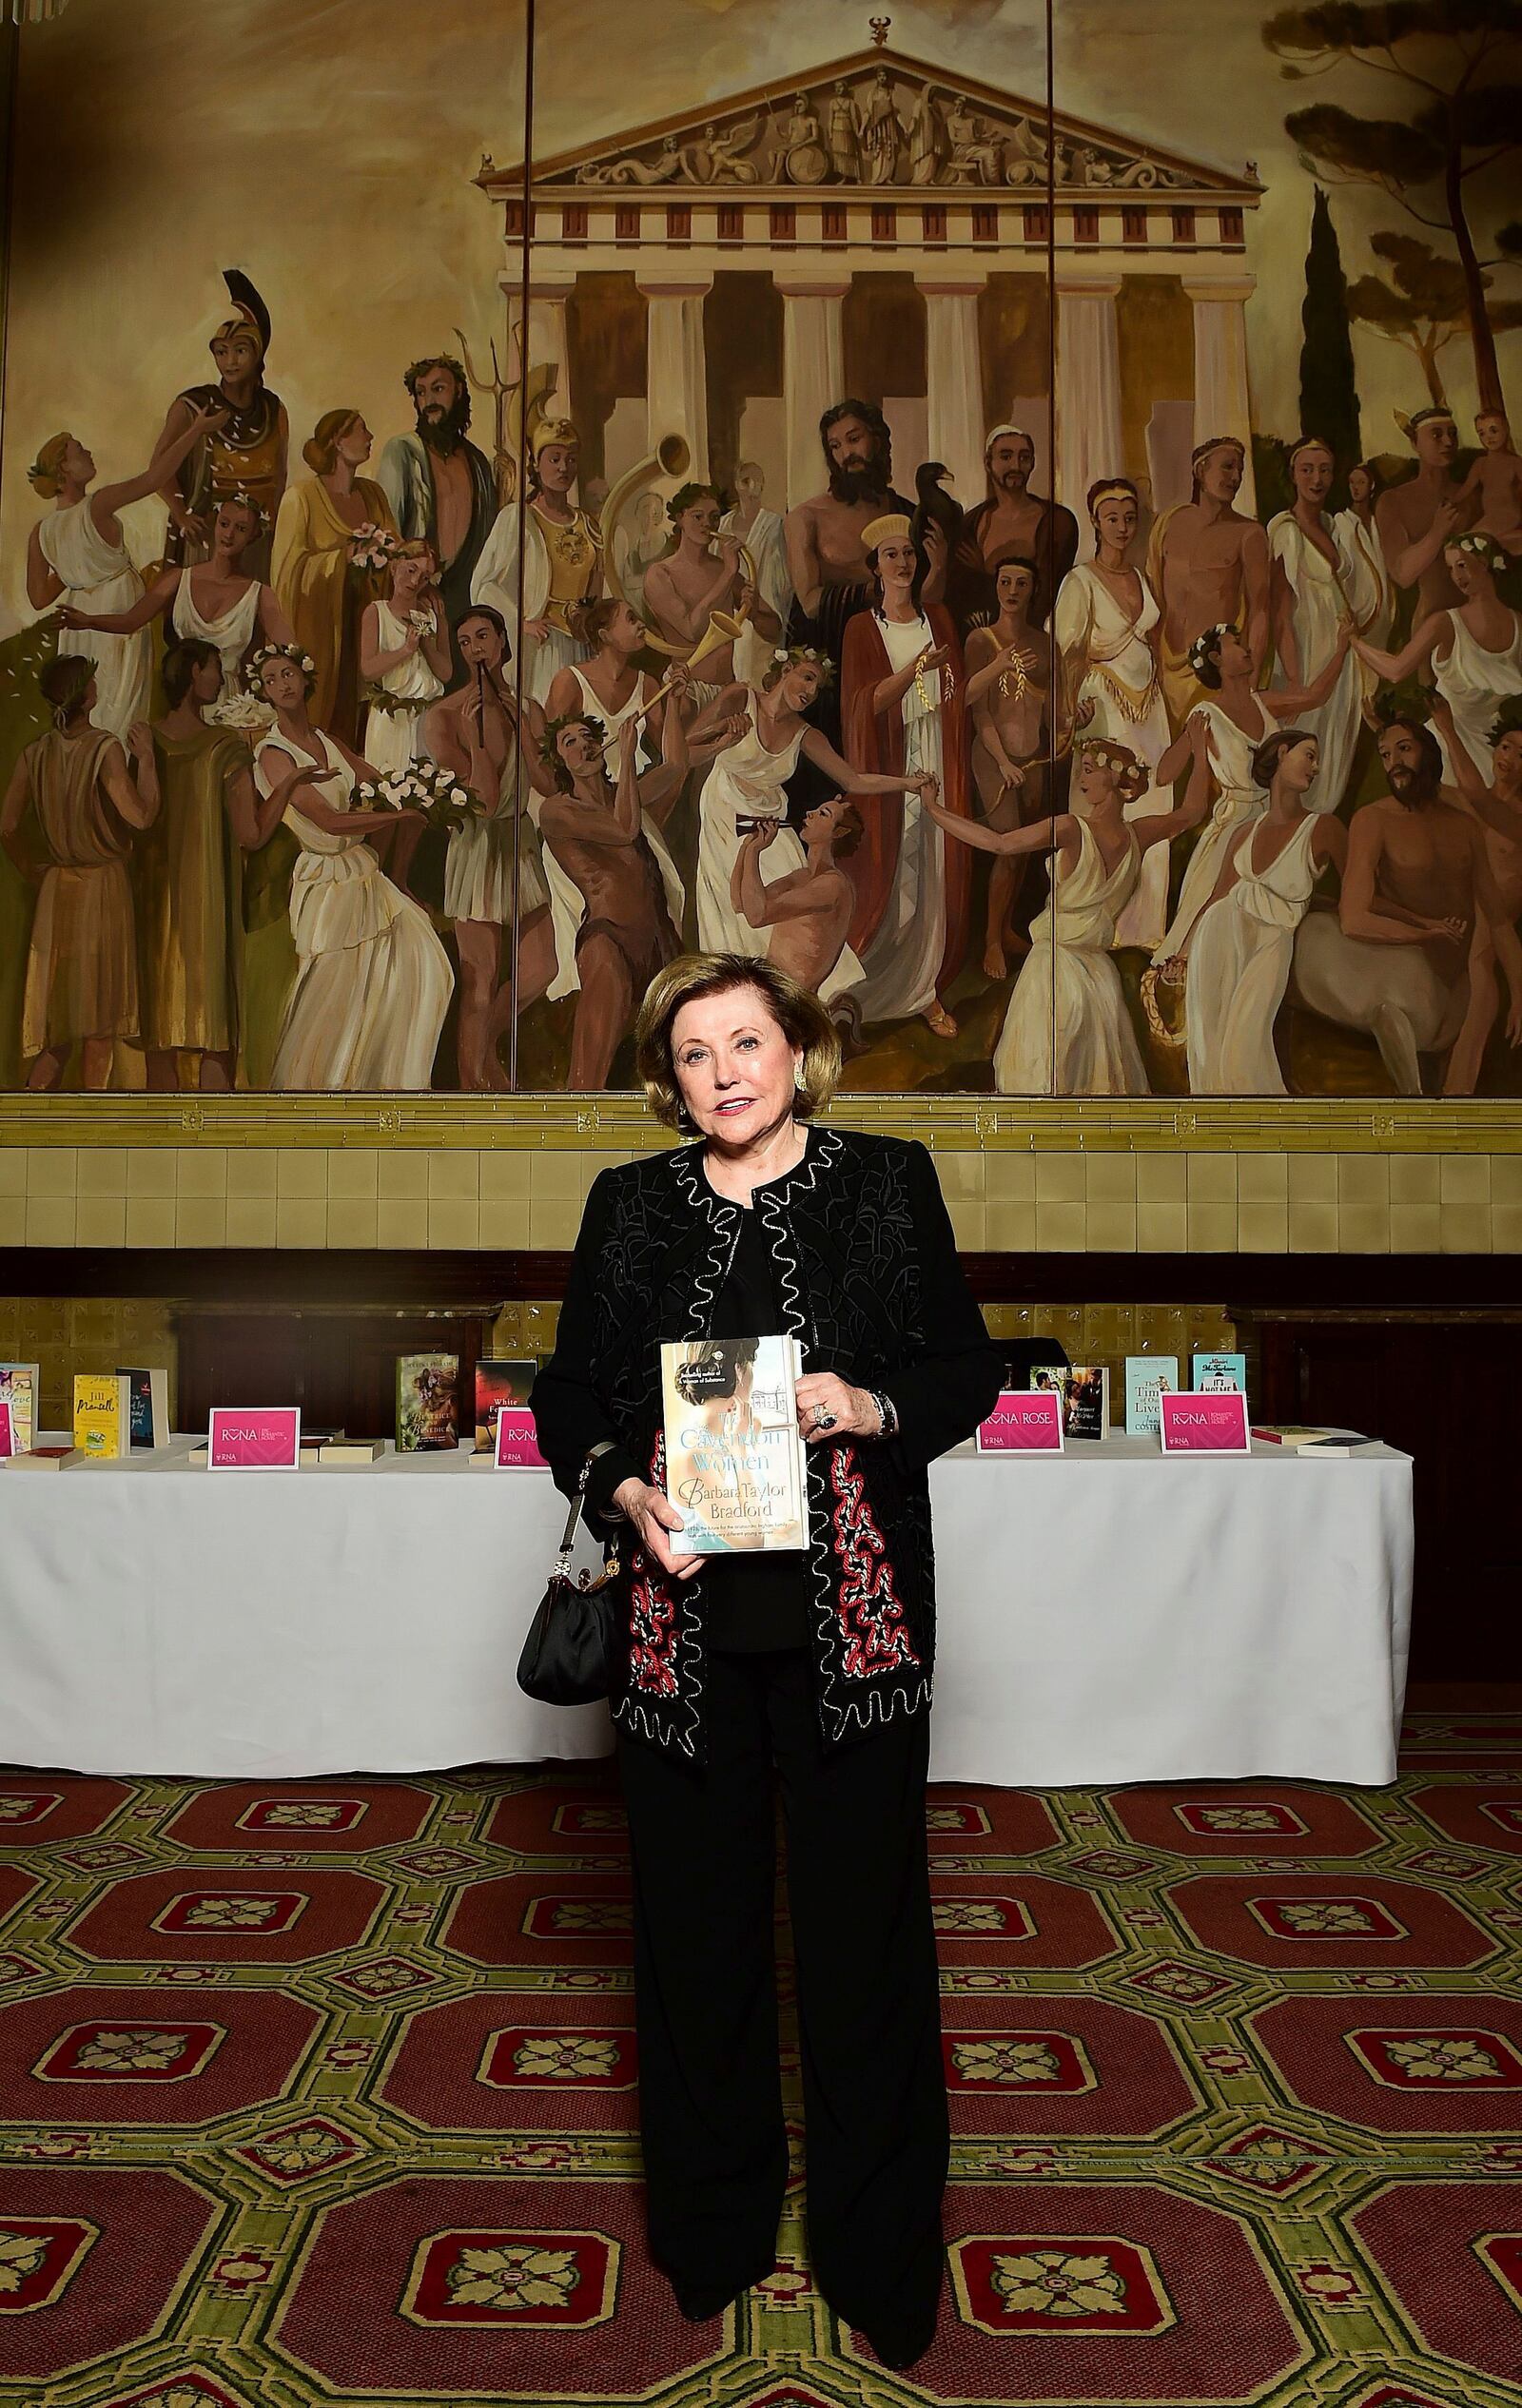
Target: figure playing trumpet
(708, 572)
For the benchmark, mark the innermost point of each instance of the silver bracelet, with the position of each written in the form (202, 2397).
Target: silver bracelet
(887, 1411)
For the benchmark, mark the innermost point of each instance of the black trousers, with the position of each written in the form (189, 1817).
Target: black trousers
(869, 2000)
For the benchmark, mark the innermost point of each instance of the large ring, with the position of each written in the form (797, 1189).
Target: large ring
(824, 1419)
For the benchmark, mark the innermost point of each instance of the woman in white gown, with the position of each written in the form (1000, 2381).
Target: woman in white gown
(1105, 624)
(373, 982)
(1236, 718)
(217, 602)
(1355, 527)
(1318, 584)
(1068, 1031)
(1242, 945)
(609, 686)
(76, 556)
(404, 659)
(1473, 653)
(748, 784)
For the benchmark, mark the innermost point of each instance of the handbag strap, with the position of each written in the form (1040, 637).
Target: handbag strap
(562, 1562)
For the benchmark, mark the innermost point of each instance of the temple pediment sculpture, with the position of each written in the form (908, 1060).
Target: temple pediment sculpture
(882, 122)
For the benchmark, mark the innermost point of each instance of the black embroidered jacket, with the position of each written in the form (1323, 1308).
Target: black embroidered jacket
(867, 1271)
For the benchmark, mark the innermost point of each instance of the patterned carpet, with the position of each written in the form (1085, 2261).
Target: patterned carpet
(324, 2093)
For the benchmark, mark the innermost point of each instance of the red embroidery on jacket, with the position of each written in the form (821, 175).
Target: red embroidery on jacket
(652, 1612)
(869, 1610)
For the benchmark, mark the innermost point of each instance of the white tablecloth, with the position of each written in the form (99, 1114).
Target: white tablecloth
(1106, 1615)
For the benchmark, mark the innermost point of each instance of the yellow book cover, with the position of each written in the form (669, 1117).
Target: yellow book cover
(103, 1415)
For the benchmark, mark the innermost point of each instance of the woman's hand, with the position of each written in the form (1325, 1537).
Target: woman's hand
(652, 1514)
(830, 1408)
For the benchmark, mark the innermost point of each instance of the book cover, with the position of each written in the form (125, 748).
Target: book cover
(1220, 1370)
(1086, 1403)
(500, 1380)
(1051, 1376)
(21, 1387)
(103, 1416)
(8, 1436)
(428, 1401)
(1146, 1376)
(734, 1453)
(149, 1414)
(1290, 1435)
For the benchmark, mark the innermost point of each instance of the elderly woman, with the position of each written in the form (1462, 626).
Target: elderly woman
(809, 1670)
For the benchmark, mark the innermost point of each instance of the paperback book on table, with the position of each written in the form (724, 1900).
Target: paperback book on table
(1087, 1400)
(427, 1402)
(1220, 1370)
(734, 1458)
(148, 1392)
(20, 1388)
(1146, 1377)
(500, 1380)
(103, 1416)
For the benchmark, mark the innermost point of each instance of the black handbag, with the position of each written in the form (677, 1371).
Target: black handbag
(572, 1647)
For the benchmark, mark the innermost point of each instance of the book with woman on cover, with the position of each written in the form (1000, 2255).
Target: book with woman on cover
(734, 1453)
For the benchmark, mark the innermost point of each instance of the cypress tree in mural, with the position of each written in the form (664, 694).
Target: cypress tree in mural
(1329, 396)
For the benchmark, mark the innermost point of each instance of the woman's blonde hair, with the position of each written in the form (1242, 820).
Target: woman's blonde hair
(322, 453)
(796, 1009)
(46, 474)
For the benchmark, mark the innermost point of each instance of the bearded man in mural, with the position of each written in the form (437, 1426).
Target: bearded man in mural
(827, 559)
(1011, 523)
(441, 486)
(247, 450)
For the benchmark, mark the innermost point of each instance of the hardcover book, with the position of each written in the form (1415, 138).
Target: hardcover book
(1086, 1404)
(44, 1459)
(149, 1415)
(500, 1380)
(1146, 1376)
(1220, 1370)
(351, 1450)
(103, 1416)
(1292, 1436)
(735, 1458)
(21, 1387)
(428, 1401)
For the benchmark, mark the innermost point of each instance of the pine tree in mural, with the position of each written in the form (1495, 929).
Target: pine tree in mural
(1329, 396)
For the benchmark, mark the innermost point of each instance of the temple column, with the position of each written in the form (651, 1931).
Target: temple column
(1222, 402)
(954, 380)
(1091, 439)
(814, 368)
(548, 344)
(675, 370)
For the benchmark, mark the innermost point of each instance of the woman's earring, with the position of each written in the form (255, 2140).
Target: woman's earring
(686, 1125)
(798, 1078)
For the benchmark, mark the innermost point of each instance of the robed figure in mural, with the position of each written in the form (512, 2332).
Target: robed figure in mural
(903, 705)
(441, 486)
(323, 521)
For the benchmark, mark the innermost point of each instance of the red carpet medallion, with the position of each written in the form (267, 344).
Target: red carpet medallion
(323, 2096)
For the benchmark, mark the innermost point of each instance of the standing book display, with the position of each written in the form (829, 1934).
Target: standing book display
(103, 1416)
(20, 1386)
(428, 1401)
(734, 1451)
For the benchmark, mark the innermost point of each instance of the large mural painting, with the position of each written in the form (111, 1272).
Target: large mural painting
(1017, 522)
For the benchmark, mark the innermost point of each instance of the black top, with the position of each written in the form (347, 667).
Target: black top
(753, 1602)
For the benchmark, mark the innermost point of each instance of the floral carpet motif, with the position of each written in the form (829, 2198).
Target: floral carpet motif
(324, 2095)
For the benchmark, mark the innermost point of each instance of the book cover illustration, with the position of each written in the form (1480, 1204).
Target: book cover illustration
(148, 1392)
(103, 1409)
(1087, 1402)
(1146, 1376)
(428, 1401)
(20, 1385)
(1220, 1370)
(500, 1380)
(735, 1458)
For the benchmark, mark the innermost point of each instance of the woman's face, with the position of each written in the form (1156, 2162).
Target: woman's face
(624, 632)
(355, 443)
(1360, 486)
(735, 1070)
(78, 464)
(235, 529)
(1234, 659)
(1312, 472)
(1508, 763)
(798, 685)
(283, 682)
(1469, 571)
(1300, 765)
(1114, 521)
(896, 563)
(1016, 586)
(1096, 781)
(409, 575)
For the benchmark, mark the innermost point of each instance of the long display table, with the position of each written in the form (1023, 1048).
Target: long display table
(1104, 1616)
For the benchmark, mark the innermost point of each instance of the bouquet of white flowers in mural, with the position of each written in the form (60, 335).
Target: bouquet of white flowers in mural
(424, 786)
(245, 711)
(371, 547)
